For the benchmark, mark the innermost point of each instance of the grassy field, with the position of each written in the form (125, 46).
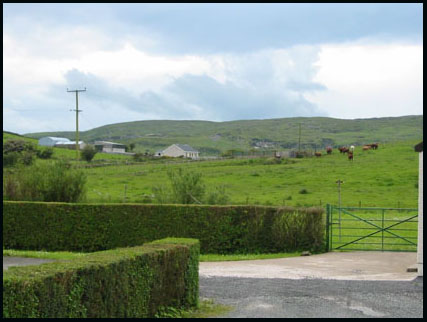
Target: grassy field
(386, 177)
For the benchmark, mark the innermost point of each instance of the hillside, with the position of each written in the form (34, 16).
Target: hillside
(215, 137)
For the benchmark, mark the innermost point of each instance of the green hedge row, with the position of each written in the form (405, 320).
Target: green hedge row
(124, 282)
(220, 229)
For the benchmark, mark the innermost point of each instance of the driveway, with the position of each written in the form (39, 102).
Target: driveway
(331, 285)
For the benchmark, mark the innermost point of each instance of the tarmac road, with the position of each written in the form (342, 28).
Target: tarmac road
(315, 298)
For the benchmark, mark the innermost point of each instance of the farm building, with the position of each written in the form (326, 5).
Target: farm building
(70, 145)
(109, 147)
(51, 140)
(419, 148)
(178, 150)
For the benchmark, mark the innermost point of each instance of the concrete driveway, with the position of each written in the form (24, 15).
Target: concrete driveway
(334, 265)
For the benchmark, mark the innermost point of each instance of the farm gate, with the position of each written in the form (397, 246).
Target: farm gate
(377, 229)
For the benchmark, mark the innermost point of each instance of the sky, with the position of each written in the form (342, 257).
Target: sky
(214, 62)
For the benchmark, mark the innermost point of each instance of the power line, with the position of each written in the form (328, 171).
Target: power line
(77, 117)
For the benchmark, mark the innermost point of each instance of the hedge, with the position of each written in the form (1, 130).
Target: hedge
(124, 282)
(220, 229)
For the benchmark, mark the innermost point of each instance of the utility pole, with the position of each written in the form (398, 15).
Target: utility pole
(77, 118)
(299, 139)
(339, 205)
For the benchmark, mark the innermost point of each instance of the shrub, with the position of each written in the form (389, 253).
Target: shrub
(46, 182)
(187, 186)
(10, 159)
(17, 145)
(217, 196)
(303, 191)
(220, 229)
(88, 153)
(124, 282)
(45, 153)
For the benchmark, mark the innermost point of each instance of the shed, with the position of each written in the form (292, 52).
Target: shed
(109, 147)
(51, 140)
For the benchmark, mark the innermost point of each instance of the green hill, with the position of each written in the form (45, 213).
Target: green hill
(211, 138)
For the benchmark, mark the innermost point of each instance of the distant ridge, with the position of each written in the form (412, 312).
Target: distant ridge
(282, 133)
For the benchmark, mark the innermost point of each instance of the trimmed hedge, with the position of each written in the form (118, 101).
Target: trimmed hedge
(124, 282)
(220, 229)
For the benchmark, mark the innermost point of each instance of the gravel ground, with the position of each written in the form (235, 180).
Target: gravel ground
(315, 298)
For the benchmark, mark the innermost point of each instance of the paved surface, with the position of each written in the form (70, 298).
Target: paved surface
(337, 266)
(22, 261)
(315, 298)
(331, 285)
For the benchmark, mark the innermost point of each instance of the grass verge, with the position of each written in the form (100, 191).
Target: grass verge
(207, 309)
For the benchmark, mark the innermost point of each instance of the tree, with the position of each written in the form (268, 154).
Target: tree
(131, 146)
(88, 153)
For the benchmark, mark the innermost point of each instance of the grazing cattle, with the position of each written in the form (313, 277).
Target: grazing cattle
(343, 149)
(366, 147)
(374, 146)
(329, 150)
(317, 154)
(352, 148)
(350, 156)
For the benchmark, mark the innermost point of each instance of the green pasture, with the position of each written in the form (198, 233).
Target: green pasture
(387, 177)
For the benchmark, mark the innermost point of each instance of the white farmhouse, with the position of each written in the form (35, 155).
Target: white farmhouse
(109, 147)
(178, 150)
(51, 140)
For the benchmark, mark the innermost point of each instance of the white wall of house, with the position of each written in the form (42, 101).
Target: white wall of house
(420, 217)
(175, 151)
(108, 149)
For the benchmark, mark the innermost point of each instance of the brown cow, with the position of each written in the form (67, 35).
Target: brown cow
(350, 156)
(366, 147)
(374, 146)
(329, 150)
(317, 154)
(343, 149)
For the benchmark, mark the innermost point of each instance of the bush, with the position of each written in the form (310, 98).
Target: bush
(18, 151)
(10, 159)
(16, 145)
(220, 229)
(45, 153)
(126, 282)
(217, 196)
(303, 191)
(187, 186)
(45, 182)
(88, 152)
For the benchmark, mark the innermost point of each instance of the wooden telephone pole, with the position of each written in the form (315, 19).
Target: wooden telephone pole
(77, 118)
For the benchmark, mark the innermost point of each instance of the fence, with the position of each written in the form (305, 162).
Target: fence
(378, 229)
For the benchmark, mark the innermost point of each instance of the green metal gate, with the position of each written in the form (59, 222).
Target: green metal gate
(377, 229)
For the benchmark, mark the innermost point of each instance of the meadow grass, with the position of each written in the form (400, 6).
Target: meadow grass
(386, 177)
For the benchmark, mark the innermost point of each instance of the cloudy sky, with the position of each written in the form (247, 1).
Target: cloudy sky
(216, 62)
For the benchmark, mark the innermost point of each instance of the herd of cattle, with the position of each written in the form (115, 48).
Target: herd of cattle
(349, 150)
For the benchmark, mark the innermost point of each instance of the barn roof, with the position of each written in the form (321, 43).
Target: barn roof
(186, 148)
(55, 138)
(419, 147)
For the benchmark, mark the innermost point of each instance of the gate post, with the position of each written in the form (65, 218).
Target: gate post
(328, 207)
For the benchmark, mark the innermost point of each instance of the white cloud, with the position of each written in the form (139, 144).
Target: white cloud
(370, 80)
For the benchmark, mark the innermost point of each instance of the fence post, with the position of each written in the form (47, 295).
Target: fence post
(327, 226)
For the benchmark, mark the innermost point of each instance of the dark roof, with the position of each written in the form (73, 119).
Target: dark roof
(419, 147)
(186, 147)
